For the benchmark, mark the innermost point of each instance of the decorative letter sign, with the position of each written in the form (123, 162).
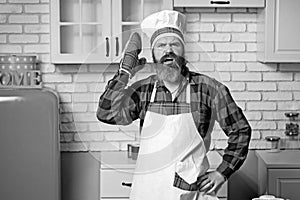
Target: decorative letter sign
(19, 72)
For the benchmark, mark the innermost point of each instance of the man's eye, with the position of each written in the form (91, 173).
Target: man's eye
(175, 44)
(161, 45)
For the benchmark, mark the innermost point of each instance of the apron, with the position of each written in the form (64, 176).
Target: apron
(169, 144)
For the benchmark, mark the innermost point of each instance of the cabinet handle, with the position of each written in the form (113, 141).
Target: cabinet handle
(219, 2)
(107, 46)
(126, 184)
(117, 46)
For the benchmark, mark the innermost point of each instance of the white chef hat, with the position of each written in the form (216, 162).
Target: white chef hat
(164, 23)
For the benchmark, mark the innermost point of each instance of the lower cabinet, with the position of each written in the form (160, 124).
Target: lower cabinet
(116, 174)
(284, 183)
(115, 183)
(279, 173)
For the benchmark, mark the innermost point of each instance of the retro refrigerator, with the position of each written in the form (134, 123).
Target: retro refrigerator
(29, 145)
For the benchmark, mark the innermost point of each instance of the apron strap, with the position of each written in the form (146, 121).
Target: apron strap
(188, 93)
(153, 93)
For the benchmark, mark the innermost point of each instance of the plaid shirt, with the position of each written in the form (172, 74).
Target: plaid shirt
(210, 101)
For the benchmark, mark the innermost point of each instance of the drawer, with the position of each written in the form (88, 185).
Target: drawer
(111, 182)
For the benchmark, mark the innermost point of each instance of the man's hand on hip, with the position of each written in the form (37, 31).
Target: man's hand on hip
(130, 62)
(210, 182)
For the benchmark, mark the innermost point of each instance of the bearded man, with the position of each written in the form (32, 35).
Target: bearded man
(177, 109)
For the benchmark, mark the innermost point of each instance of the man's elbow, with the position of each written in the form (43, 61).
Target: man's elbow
(102, 116)
(103, 113)
(249, 130)
(246, 128)
(99, 115)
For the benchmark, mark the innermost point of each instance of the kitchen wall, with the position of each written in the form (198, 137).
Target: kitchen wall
(220, 42)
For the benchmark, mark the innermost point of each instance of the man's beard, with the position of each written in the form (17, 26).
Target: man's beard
(170, 67)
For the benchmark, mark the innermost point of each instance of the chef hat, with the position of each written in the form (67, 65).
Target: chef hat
(164, 23)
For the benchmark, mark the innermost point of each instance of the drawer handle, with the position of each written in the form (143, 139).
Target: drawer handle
(219, 2)
(126, 184)
(117, 46)
(107, 47)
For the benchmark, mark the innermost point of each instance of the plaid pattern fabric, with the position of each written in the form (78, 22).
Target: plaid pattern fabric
(165, 30)
(169, 108)
(182, 184)
(210, 101)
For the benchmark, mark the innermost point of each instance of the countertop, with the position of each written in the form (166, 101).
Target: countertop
(282, 159)
(116, 159)
(120, 160)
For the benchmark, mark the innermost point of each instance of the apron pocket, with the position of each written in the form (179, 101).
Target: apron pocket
(192, 167)
(187, 170)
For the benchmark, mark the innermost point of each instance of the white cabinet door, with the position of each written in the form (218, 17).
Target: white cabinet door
(278, 31)
(80, 31)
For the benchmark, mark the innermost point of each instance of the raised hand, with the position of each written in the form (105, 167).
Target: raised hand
(130, 62)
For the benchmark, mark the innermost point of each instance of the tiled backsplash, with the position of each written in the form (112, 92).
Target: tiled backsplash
(219, 42)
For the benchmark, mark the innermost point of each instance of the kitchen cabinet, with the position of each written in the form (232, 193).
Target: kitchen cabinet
(279, 173)
(278, 32)
(222, 3)
(90, 31)
(115, 168)
(116, 172)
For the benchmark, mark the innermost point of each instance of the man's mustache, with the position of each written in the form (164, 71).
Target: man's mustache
(179, 60)
(168, 56)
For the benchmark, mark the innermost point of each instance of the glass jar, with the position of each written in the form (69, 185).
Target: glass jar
(274, 140)
(292, 124)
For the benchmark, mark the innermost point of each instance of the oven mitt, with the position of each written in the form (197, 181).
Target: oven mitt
(130, 62)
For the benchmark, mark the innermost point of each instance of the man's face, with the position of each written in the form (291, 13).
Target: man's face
(169, 52)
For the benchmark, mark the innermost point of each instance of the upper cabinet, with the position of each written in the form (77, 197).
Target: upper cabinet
(278, 31)
(96, 31)
(219, 3)
(80, 31)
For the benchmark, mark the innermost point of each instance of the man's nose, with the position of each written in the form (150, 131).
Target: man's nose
(168, 49)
